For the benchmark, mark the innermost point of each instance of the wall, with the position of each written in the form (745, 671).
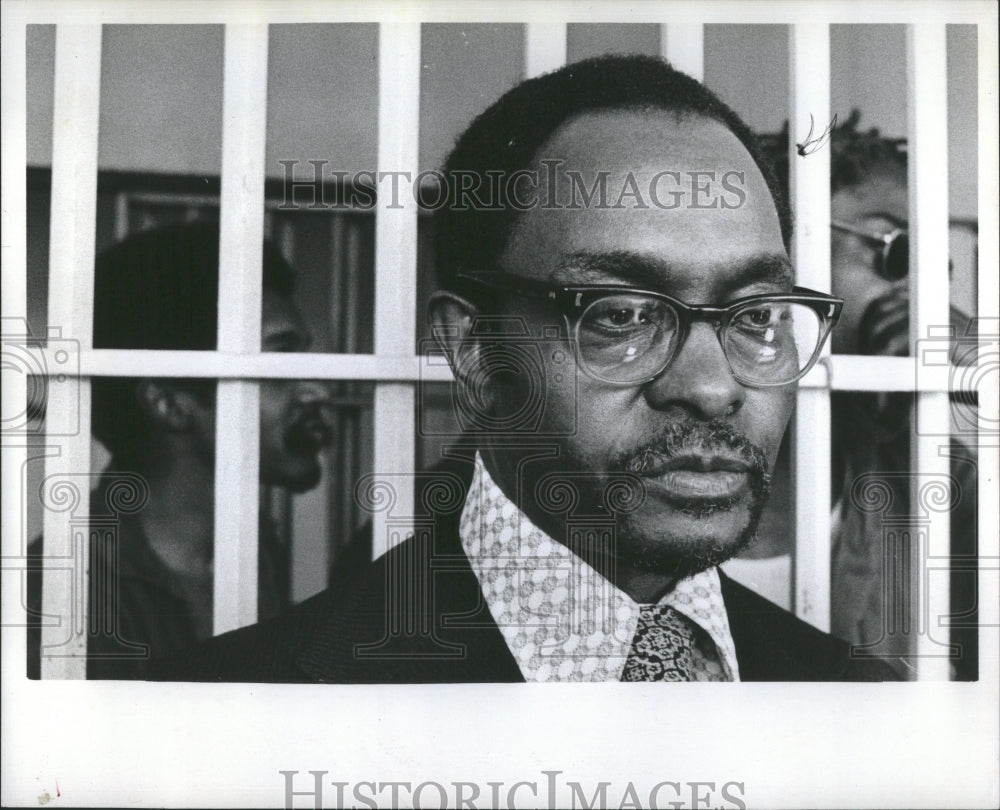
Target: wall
(161, 88)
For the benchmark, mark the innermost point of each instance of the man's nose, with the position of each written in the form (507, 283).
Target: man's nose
(698, 379)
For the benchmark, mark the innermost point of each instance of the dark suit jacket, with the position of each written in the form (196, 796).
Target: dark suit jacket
(417, 615)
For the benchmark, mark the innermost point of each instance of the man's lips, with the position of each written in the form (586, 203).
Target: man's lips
(697, 477)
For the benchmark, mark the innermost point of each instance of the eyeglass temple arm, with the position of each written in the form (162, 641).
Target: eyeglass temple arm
(843, 226)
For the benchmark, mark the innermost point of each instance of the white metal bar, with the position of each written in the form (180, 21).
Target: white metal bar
(927, 107)
(544, 48)
(310, 541)
(237, 444)
(683, 45)
(809, 61)
(396, 262)
(135, 362)
(839, 372)
(13, 306)
(989, 393)
(872, 373)
(121, 215)
(76, 111)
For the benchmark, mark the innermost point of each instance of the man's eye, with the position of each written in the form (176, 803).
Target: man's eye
(625, 317)
(759, 317)
(623, 313)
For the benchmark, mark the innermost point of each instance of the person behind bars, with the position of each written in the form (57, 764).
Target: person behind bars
(151, 576)
(871, 432)
(621, 318)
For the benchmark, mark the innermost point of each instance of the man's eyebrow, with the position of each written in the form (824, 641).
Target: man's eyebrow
(638, 269)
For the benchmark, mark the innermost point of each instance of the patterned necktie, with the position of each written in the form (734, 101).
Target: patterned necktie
(661, 648)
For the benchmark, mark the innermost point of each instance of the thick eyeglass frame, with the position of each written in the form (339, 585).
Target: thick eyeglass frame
(885, 242)
(573, 300)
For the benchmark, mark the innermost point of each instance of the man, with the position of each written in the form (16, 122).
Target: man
(159, 290)
(872, 432)
(625, 367)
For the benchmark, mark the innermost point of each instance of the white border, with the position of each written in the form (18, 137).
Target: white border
(912, 745)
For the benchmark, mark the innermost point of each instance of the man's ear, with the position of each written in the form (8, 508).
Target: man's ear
(452, 318)
(167, 406)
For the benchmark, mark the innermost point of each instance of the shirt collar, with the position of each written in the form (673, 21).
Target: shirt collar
(561, 619)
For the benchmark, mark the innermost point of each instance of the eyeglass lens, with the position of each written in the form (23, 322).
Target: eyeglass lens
(896, 258)
(628, 337)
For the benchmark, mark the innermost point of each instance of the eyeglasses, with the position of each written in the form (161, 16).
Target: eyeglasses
(893, 261)
(628, 336)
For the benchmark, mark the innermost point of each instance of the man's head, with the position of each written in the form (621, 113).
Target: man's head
(868, 185)
(868, 201)
(695, 439)
(159, 290)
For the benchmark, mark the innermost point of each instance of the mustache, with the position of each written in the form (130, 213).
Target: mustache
(691, 437)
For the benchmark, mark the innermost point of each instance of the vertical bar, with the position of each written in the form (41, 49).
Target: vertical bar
(683, 45)
(927, 118)
(310, 537)
(121, 215)
(989, 394)
(75, 117)
(396, 263)
(237, 433)
(13, 306)
(544, 48)
(809, 82)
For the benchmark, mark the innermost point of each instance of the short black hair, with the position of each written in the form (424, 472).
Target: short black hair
(855, 155)
(507, 136)
(159, 289)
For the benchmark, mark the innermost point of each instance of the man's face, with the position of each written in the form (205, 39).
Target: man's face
(294, 414)
(701, 443)
(879, 206)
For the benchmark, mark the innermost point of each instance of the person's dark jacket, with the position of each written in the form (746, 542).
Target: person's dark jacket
(418, 615)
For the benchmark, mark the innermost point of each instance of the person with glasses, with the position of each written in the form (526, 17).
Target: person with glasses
(625, 368)
(871, 432)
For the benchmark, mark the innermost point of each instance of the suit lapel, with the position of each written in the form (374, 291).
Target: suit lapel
(774, 645)
(415, 615)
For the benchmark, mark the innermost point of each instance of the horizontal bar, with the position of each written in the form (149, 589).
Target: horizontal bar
(856, 372)
(293, 366)
(448, 11)
(839, 372)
